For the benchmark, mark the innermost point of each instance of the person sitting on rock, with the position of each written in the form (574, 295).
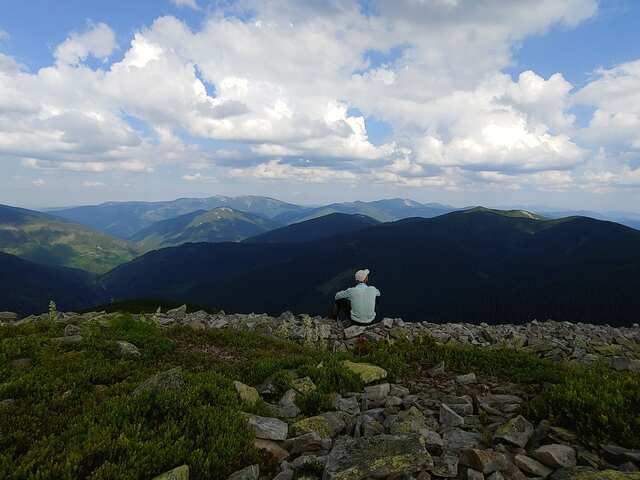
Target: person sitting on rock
(357, 305)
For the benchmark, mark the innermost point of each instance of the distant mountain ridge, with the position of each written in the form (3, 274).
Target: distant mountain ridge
(222, 224)
(49, 240)
(316, 229)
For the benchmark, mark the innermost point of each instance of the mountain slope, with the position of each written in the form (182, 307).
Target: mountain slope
(382, 210)
(465, 266)
(221, 224)
(315, 229)
(125, 219)
(49, 240)
(28, 287)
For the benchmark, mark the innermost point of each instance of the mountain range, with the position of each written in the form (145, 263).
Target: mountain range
(473, 264)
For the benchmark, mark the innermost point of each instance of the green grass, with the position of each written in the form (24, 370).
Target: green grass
(75, 415)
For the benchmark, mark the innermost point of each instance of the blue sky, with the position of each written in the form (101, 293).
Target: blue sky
(459, 102)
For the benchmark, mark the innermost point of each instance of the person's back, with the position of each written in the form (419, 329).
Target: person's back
(362, 299)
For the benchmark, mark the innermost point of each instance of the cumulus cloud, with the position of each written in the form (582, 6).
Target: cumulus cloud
(186, 3)
(4, 35)
(38, 182)
(92, 184)
(98, 41)
(289, 89)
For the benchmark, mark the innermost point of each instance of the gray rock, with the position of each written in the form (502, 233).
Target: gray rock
(532, 466)
(72, 330)
(449, 418)
(625, 364)
(287, 405)
(127, 349)
(348, 405)
(446, 466)
(178, 473)
(556, 456)
(354, 331)
(485, 461)
(267, 428)
(377, 457)
(474, 474)
(309, 462)
(377, 393)
(516, 431)
(437, 370)
(496, 476)
(172, 379)
(177, 313)
(620, 454)
(309, 442)
(468, 379)
(249, 473)
(8, 317)
(457, 439)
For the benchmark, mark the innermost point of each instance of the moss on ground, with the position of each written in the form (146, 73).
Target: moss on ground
(74, 414)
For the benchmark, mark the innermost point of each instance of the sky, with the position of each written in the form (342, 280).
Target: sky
(462, 102)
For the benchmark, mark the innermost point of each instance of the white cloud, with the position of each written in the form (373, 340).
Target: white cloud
(186, 3)
(198, 177)
(98, 41)
(91, 184)
(38, 182)
(4, 35)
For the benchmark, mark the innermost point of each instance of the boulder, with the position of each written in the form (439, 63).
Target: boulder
(248, 395)
(274, 450)
(72, 330)
(457, 439)
(468, 379)
(8, 317)
(376, 457)
(172, 379)
(585, 473)
(485, 461)
(178, 473)
(446, 466)
(368, 373)
(516, 431)
(326, 425)
(556, 456)
(532, 466)
(354, 331)
(308, 442)
(267, 428)
(348, 405)
(249, 473)
(377, 393)
(449, 418)
(287, 405)
(474, 474)
(303, 385)
(620, 454)
(127, 349)
(177, 313)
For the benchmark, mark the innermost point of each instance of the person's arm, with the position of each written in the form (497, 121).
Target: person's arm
(342, 294)
(377, 292)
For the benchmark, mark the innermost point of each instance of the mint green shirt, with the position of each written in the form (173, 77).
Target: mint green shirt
(363, 302)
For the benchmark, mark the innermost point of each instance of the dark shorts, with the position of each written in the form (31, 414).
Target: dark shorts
(341, 312)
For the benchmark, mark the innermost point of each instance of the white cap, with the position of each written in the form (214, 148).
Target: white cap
(361, 275)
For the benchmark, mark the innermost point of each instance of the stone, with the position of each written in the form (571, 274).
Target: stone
(178, 473)
(248, 395)
(449, 418)
(303, 385)
(531, 466)
(354, 331)
(457, 439)
(284, 475)
(377, 393)
(446, 466)
(348, 405)
(68, 340)
(485, 461)
(308, 442)
(468, 379)
(274, 450)
(398, 390)
(8, 316)
(625, 364)
(433, 441)
(496, 476)
(287, 405)
(474, 474)
(620, 454)
(177, 313)
(437, 370)
(248, 473)
(387, 322)
(516, 431)
(21, 363)
(368, 373)
(71, 330)
(309, 462)
(376, 457)
(556, 456)
(172, 379)
(326, 425)
(127, 349)
(585, 473)
(267, 428)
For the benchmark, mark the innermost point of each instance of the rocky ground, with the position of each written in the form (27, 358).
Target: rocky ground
(432, 424)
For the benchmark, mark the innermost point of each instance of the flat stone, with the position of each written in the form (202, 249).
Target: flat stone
(446, 466)
(172, 379)
(556, 456)
(468, 379)
(376, 457)
(267, 428)
(326, 425)
(585, 473)
(377, 393)
(8, 316)
(308, 442)
(449, 418)
(474, 474)
(457, 439)
(348, 405)
(485, 461)
(272, 448)
(354, 331)
(178, 473)
(309, 462)
(516, 431)
(531, 466)
(368, 373)
(249, 473)
(177, 313)
(618, 453)
(247, 394)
